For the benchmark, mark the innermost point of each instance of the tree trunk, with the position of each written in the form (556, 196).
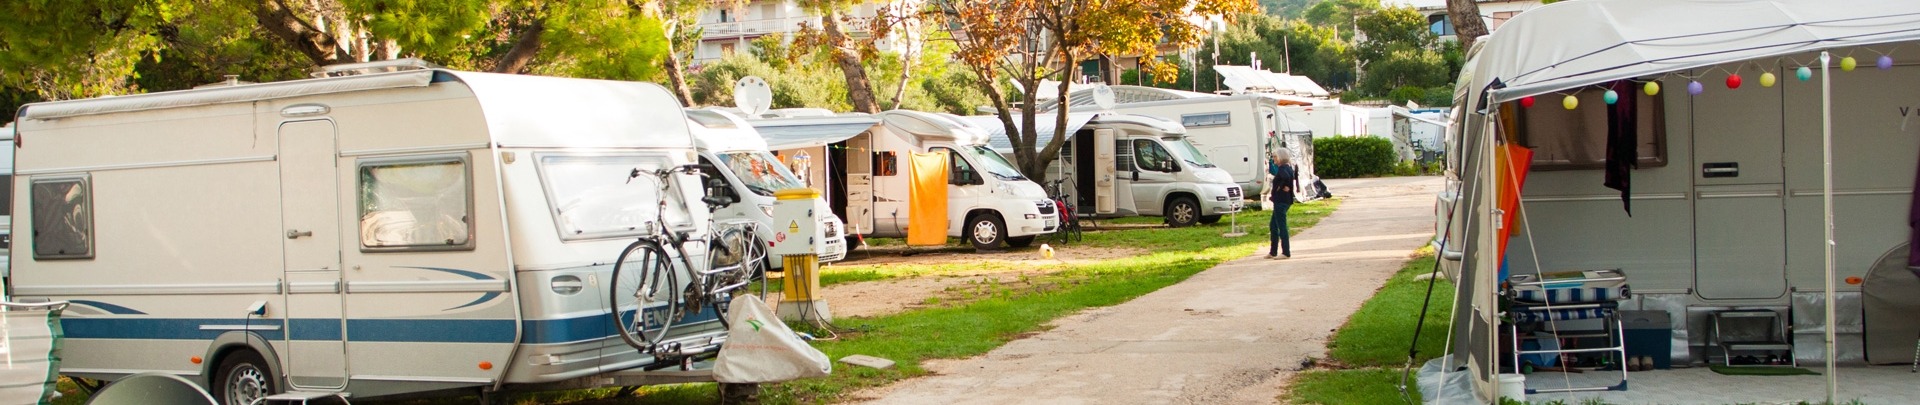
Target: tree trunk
(282, 21)
(677, 77)
(1467, 25)
(906, 75)
(1110, 70)
(524, 49)
(859, 89)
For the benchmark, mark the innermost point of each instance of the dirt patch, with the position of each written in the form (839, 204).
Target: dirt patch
(1012, 271)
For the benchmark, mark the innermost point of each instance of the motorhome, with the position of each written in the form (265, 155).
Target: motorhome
(860, 163)
(1150, 170)
(733, 153)
(422, 230)
(1237, 133)
(1785, 202)
(6, 210)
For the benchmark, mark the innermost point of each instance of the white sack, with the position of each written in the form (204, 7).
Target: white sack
(760, 348)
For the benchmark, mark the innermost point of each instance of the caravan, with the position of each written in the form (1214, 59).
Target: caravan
(861, 164)
(1131, 165)
(369, 234)
(1237, 133)
(1784, 203)
(733, 153)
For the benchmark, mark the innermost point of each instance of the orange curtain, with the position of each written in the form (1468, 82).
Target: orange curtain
(927, 199)
(1513, 162)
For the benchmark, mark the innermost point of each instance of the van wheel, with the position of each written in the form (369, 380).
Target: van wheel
(1209, 219)
(243, 379)
(1020, 242)
(1183, 212)
(985, 232)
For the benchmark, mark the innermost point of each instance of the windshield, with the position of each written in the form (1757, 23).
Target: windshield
(760, 172)
(593, 197)
(1185, 151)
(993, 163)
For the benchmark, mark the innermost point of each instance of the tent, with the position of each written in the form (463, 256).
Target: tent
(1559, 50)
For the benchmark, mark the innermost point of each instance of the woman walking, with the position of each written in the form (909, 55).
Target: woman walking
(1285, 182)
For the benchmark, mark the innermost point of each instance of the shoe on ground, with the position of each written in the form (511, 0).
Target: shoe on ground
(1270, 257)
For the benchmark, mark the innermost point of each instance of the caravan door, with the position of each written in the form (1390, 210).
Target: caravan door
(1739, 217)
(1105, 165)
(315, 347)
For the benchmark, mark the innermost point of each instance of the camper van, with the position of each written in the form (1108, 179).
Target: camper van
(860, 163)
(1151, 170)
(372, 234)
(1235, 132)
(733, 153)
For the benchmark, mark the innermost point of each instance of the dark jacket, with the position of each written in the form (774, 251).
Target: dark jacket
(1287, 178)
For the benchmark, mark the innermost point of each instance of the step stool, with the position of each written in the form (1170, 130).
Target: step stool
(306, 398)
(1750, 330)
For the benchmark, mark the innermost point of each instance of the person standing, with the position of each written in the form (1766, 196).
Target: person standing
(1285, 181)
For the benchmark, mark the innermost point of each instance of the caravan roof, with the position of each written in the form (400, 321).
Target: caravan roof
(925, 124)
(520, 110)
(1044, 125)
(1578, 43)
(719, 131)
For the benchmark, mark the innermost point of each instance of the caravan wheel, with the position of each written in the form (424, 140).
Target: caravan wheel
(1183, 212)
(243, 379)
(985, 232)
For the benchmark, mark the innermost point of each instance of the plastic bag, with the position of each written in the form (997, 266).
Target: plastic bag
(760, 348)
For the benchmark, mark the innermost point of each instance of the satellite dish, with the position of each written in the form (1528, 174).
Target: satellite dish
(753, 96)
(1103, 96)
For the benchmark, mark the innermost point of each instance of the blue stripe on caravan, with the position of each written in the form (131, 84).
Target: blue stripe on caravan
(597, 326)
(110, 308)
(152, 328)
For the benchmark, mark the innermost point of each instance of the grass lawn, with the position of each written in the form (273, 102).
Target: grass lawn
(1366, 354)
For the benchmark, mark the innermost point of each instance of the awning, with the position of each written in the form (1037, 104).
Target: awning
(794, 133)
(1578, 43)
(1043, 124)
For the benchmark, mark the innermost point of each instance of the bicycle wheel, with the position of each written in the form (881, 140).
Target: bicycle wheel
(643, 296)
(735, 258)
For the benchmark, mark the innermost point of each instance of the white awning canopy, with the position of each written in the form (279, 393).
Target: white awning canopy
(1578, 43)
(794, 133)
(1043, 127)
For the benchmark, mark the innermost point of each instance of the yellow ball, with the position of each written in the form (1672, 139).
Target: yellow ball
(1652, 88)
(1570, 102)
(1768, 79)
(1847, 64)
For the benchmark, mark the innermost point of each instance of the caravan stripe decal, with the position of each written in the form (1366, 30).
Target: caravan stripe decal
(548, 331)
(469, 274)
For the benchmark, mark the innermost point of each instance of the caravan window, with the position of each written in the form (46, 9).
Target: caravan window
(885, 163)
(760, 172)
(1565, 139)
(595, 196)
(1150, 156)
(416, 203)
(1213, 119)
(62, 218)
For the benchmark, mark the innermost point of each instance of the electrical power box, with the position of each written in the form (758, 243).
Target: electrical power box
(796, 224)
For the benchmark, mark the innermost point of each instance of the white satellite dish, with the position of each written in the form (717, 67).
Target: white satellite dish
(1103, 97)
(753, 96)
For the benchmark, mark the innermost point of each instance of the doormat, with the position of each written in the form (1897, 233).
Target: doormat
(1737, 370)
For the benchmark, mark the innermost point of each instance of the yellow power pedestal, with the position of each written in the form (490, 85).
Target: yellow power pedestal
(797, 239)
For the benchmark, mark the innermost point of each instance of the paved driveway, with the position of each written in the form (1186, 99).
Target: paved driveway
(1232, 334)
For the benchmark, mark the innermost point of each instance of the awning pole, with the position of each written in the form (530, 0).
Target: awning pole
(1826, 197)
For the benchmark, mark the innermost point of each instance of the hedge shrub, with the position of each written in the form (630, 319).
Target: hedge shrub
(1344, 157)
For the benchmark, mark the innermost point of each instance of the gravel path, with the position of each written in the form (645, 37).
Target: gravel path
(1232, 334)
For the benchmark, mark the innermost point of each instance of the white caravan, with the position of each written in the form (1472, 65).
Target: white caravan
(860, 164)
(1132, 165)
(6, 210)
(1235, 132)
(732, 152)
(375, 234)
(1727, 210)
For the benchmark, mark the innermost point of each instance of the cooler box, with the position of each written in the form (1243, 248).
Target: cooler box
(1649, 333)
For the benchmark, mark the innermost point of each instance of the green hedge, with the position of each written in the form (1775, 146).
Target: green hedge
(1344, 157)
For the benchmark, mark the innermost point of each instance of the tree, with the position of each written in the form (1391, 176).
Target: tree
(59, 49)
(1467, 25)
(1026, 41)
(846, 52)
(1292, 46)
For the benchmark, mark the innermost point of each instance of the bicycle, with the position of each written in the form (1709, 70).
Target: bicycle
(644, 275)
(1068, 212)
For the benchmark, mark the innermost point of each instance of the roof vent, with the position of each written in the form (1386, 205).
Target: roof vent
(379, 66)
(230, 81)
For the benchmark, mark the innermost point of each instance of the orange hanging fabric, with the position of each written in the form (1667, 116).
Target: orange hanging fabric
(927, 199)
(1513, 161)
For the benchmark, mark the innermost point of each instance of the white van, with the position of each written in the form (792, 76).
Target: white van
(1235, 132)
(1151, 169)
(375, 234)
(860, 163)
(732, 152)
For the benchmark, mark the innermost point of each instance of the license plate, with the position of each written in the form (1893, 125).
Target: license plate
(1051, 223)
